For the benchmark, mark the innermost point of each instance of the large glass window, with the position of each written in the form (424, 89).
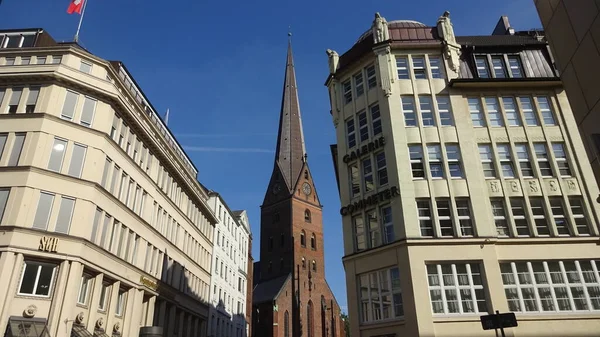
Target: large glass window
(416, 161)
(425, 104)
(408, 108)
(528, 111)
(402, 67)
(418, 64)
(380, 295)
(15, 154)
(68, 110)
(37, 279)
(491, 103)
(456, 289)
(77, 160)
(476, 112)
(42, 215)
(487, 161)
(57, 155)
(445, 110)
(546, 110)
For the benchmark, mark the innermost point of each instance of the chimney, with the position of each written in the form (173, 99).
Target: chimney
(503, 27)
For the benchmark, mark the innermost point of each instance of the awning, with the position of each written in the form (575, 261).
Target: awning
(80, 331)
(23, 327)
(99, 333)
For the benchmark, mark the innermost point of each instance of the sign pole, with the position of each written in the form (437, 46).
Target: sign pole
(501, 326)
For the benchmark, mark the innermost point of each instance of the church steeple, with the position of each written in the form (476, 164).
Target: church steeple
(290, 154)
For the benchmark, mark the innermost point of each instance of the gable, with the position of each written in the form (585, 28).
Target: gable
(305, 183)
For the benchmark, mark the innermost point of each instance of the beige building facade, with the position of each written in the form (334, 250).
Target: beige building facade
(573, 32)
(464, 183)
(104, 227)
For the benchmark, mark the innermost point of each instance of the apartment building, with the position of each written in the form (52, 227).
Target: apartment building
(104, 228)
(229, 282)
(464, 184)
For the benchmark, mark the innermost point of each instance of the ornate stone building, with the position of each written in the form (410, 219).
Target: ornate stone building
(464, 183)
(291, 296)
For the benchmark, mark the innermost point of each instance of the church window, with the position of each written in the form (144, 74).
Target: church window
(281, 264)
(313, 241)
(270, 243)
(303, 263)
(303, 239)
(282, 239)
(305, 174)
(286, 324)
(314, 265)
(270, 268)
(307, 215)
(275, 217)
(310, 319)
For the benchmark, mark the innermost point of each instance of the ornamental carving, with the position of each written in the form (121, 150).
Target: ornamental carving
(80, 317)
(533, 186)
(514, 186)
(571, 185)
(100, 323)
(380, 29)
(117, 327)
(494, 187)
(30, 311)
(553, 186)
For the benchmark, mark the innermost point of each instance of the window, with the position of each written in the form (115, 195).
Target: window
(482, 67)
(435, 67)
(445, 110)
(387, 224)
(499, 214)
(32, 98)
(373, 228)
(351, 133)
(546, 110)
(84, 289)
(41, 60)
(303, 238)
(577, 208)
(57, 155)
(354, 179)
(456, 288)
(85, 67)
(2, 93)
(382, 177)
(524, 160)
(464, 217)
(37, 279)
(15, 155)
(42, 214)
(558, 213)
(539, 216)
(380, 295)
(286, 324)
(371, 77)
(77, 160)
(491, 103)
(506, 163)
(453, 154)
(408, 108)
(303, 263)
(363, 126)
(87, 114)
(475, 112)
(426, 111)
(418, 64)
(445, 217)
(561, 159)
(307, 217)
(435, 161)
(104, 294)
(369, 183)
(416, 161)
(310, 320)
(551, 286)
(528, 111)
(4, 193)
(487, 161)
(425, 220)
(56, 59)
(10, 61)
(359, 233)
(313, 241)
(121, 298)
(65, 213)
(516, 70)
(510, 108)
(68, 110)
(518, 210)
(499, 67)
(314, 265)
(25, 60)
(359, 85)
(376, 120)
(15, 98)
(541, 154)
(402, 67)
(347, 87)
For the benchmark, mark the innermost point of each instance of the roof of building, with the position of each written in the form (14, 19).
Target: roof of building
(499, 40)
(269, 290)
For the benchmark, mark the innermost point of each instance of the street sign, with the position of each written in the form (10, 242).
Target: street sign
(499, 321)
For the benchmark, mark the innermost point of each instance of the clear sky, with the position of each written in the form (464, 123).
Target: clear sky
(219, 67)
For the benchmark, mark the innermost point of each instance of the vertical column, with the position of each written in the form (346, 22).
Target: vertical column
(163, 315)
(10, 267)
(94, 300)
(64, 306)
(179, 318)
(149, 319)
(134, 312)
(112, 308)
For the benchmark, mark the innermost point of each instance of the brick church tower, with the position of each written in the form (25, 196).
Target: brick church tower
(291, 297)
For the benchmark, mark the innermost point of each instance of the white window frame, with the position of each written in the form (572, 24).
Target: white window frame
(436, 66)
(511, 111)
(476, 112)
(543, 159)
(539, 218)
(559, 215)
(381, 167)
(560, 156)
(351, 133)
(347, 91)
(382, 278)
(416, 159)
(445, 204)
(499, 67)
(528, 108)
(120, 305)
(545, 105)
(456, 287)
(525, 164)
(505, 160)
(419, 67)
(425, 219)
(453, 157)
(427, 111)
(402, 68)
(363, 126)
(86, 281)
(376, 119)
(518, 204)
(493, 110)
(371, 76)
(409, 112)
(359, 85)
(481, 64)
(37, 279)
(579, 215)
(486, 156)
(516, 70)
(464, 217)
(500, 219)
(435, 156)
(444, 107)
(367, 174)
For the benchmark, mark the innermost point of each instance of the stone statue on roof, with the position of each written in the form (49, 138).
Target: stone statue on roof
(380, 29)
(333, 59)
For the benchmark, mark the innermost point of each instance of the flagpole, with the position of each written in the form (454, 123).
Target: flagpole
(76, 39)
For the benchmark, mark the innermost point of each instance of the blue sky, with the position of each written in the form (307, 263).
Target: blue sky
(219, 66)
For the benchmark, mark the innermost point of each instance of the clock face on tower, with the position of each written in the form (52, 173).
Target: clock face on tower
(306, 189)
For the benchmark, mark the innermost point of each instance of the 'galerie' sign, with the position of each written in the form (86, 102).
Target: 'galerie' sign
(363, 150)
(372, 200)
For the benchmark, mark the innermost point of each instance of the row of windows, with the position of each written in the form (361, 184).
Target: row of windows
(19, 99)
(358, 80)
(121, 186)
(374, 173)
(17, 40)
(176, 275)
(226, 301)
(87, 286)
(427, 116)
(33, 59)
(459, 289)
(373, 228)
(452, 217)
(421, 66)
(369, 126)
(230, 251)
(228, 274)
(282, 265)
(435, 163)
(11, 146)
(499, 66)
(512, 112)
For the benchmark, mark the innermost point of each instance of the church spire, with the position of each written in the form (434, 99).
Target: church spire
(290, 154)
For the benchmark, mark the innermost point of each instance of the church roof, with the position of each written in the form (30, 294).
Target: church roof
(269, 290)
(290, 152)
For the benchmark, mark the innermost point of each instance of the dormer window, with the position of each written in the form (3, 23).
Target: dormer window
(482, 68)
(17, 40)
(499, 66)
(514, 62)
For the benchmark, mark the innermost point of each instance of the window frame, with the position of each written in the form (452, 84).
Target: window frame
(457, 287)
(37, 279)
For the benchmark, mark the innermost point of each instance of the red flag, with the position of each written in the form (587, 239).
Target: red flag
(75, 6)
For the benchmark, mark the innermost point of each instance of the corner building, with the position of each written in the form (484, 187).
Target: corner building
(464, 183)
(230, 274)
(291, 296)
(105, 229)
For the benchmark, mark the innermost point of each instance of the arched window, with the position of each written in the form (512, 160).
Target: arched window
(305, 174)
(307, 215)
(303, 238)
(314, 265)
(303, 263)
(309, 320)
(275, 217)
(313, 241)
(286, 324)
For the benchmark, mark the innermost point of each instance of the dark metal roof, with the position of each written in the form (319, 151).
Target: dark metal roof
(499, 40)
(269, 290)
